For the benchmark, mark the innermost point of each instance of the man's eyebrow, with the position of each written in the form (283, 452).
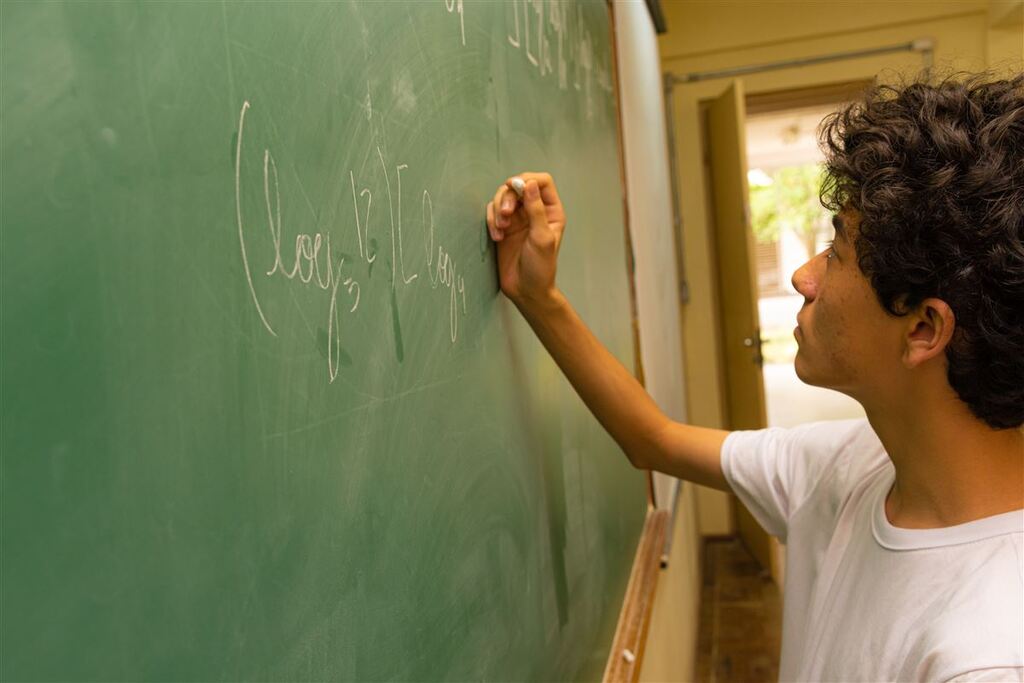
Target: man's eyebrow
(840, 227)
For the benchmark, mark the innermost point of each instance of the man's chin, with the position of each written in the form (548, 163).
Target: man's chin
(803, 372)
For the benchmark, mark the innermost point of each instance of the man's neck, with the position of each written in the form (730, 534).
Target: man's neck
(951, 468)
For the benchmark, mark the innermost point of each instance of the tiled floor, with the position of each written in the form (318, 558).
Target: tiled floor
(740, 617)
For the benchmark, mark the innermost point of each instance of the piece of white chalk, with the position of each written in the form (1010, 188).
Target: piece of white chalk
(519, 185)
(628, 656)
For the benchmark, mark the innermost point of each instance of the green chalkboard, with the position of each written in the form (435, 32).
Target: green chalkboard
(266, 415)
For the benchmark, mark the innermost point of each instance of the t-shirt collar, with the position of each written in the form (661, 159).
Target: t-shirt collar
(896, 538)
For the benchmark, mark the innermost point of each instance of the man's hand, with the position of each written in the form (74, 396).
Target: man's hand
(528, 232)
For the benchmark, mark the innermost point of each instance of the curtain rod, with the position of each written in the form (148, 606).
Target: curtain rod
(923, 45)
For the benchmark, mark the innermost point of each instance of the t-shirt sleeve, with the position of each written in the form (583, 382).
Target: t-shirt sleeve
(774, 471)
(1009, 674)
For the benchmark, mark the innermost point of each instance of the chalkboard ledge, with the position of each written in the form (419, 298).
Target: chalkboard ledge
(626, 655)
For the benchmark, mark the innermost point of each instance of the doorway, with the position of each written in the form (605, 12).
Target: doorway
(789, 226)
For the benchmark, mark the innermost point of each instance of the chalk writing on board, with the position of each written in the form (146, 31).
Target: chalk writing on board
(308, 249)
(556, 40)
(367, 105)
(361, 232)
(238, 214)
(455, 6)
(444, 271)
(397, 252)
(310, 262)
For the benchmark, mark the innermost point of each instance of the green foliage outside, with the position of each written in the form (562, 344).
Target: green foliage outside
(791, 201)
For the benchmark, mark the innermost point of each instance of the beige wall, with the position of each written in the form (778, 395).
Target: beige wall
(704, 36)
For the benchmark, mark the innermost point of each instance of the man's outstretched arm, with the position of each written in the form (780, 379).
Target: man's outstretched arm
(528, 232)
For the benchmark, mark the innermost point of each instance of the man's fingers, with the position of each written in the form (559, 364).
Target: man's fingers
(501, 215)
(508, 203)
(496, 233)
(548, 191)
(502, 209)
(506, 199)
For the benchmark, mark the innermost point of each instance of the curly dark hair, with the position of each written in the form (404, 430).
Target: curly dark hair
(935, 171)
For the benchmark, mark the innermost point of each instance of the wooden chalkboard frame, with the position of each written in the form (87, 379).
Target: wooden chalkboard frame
(626, 654)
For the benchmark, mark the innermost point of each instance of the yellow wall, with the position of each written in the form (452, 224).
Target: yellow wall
(1006, 34)
(703, 36)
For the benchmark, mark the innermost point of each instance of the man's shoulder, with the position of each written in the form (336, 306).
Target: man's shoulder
(814, 441)
(834, 459)
(837, 436)
(839, 454)
(777, 471)
(805, 454)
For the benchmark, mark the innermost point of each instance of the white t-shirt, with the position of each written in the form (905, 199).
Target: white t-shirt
(864, 600)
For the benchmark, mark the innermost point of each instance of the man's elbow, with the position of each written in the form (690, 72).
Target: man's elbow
(638, 458)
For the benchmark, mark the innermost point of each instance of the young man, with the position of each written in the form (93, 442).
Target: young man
(904, 531)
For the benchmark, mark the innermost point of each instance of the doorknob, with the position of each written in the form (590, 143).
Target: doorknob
(754, 342)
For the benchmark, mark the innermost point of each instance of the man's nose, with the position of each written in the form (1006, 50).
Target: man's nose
(805, 281)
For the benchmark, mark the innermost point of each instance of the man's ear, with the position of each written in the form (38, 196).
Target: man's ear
(929, 330)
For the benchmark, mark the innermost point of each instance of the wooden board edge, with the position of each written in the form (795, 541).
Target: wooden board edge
(626, 655)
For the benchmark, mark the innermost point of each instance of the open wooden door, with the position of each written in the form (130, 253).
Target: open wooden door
(737, 289)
